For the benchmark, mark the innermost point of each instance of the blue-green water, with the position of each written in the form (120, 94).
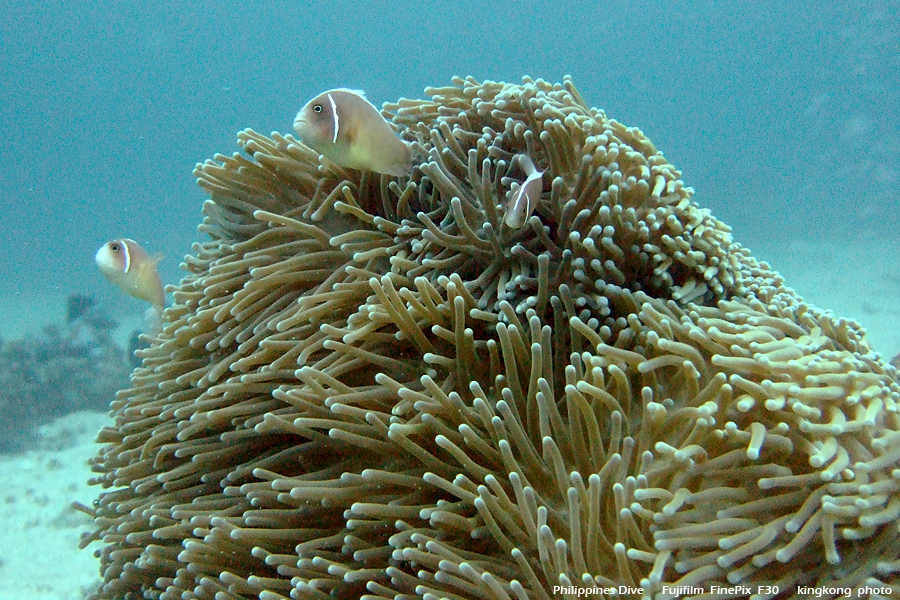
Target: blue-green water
(782, 115)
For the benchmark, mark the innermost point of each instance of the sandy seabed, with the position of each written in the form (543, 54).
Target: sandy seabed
(39, 531)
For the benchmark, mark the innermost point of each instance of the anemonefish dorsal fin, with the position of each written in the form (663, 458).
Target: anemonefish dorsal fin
(342, 125)
(359, 93)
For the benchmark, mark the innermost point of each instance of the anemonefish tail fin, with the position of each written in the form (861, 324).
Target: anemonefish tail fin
(153, 316)
(153, 321)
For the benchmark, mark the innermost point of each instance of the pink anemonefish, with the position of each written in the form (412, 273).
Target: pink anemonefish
(346, 128)
(127, 265)
(523, 201)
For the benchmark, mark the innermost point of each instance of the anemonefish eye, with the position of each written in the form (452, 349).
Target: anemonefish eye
(114, 247)
(317, 108)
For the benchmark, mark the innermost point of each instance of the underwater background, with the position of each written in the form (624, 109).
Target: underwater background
(782, 116)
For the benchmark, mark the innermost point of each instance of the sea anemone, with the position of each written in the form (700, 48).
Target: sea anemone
(373, 387)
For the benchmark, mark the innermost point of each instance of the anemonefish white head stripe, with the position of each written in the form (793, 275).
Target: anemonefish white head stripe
(127, 265)
(523, 201)
(346, 128)
(335, 117)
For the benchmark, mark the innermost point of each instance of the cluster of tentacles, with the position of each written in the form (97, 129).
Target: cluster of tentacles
(372, 387)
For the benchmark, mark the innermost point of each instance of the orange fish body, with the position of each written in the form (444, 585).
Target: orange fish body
(346, 128)
(127, 265)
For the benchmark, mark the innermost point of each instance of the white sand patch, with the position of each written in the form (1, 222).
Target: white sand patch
(39, 530)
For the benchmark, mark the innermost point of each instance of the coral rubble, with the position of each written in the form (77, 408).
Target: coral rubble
(61, 369)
